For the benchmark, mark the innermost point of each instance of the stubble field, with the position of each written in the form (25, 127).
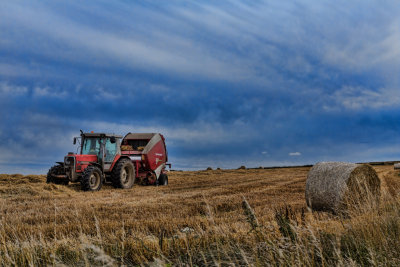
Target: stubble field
(215, 217)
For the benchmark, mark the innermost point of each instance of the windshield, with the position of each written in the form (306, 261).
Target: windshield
(91, 146)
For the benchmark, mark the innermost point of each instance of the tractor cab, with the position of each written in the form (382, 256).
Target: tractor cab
(104, 146)
(99, 149)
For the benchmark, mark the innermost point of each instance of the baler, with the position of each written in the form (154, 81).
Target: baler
(149, 155)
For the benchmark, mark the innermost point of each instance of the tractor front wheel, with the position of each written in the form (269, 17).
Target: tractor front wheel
(53, 172)
(92, 179)
(123, 174)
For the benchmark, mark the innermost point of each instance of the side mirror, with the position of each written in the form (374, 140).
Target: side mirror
(74, 140)
(113, 140)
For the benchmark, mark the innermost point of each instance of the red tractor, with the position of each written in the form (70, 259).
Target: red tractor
(141, 158)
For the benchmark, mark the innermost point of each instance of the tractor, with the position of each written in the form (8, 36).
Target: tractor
(138, 158)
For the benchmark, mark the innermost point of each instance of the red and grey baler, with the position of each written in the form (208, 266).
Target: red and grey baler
(149, 155)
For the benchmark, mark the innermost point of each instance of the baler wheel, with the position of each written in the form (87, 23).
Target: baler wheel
(56, 170)
(123, 174)
(163, 179)
(92, 179)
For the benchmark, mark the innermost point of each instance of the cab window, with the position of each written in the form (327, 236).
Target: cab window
(91, 146)
(111, 150)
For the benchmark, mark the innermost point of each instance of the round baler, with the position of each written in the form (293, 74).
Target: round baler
(149, 155)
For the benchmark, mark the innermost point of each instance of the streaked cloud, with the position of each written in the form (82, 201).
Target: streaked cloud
(229, 83)
(361, 98)
(48, 92)
(12, 90)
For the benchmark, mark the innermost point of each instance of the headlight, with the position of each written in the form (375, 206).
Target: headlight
(69, 161)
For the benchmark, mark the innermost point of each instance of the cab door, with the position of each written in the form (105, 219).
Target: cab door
(111, 150)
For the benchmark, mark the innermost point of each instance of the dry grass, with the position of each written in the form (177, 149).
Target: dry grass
(213, 217)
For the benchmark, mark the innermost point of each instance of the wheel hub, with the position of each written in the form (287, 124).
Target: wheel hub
(93, 180)
(124, 176)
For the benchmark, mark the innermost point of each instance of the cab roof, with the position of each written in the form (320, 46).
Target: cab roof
(102, 134)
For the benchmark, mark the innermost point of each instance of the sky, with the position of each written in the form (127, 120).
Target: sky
(228, 83)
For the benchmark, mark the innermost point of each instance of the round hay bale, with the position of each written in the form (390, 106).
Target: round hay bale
(397, 166)
(338, 186)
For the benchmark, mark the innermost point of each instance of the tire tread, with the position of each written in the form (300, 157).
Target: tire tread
(116, 173)
(54, 180)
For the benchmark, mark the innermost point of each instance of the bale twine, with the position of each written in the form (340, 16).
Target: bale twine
(397, 166)
(338, 186)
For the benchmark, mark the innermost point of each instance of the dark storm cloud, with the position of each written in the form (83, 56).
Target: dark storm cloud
(228, 83)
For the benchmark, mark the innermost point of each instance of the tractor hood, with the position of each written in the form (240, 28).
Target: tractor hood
(82, 159)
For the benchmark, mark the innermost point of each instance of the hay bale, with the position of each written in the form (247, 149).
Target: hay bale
(337, 186)
(126, 147)
(397, 166)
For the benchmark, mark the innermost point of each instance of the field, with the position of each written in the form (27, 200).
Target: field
(214, 217)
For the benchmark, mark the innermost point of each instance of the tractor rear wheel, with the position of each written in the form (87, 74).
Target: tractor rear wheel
(92, 179)
(123, 174)
(51, 175)
(163, 179)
